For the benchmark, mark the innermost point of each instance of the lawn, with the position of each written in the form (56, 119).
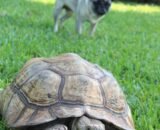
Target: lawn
(126, 42)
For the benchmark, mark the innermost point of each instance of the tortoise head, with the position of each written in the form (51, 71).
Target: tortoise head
(1, 100)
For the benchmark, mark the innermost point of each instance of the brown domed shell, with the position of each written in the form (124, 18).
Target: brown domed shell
(61, 87)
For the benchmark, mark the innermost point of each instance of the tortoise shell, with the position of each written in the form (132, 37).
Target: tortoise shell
(61, 87)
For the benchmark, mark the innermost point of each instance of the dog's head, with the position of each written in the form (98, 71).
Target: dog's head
(100, 7)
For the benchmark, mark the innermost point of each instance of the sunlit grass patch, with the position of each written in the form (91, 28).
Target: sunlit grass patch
(43, 1)
(135, 7)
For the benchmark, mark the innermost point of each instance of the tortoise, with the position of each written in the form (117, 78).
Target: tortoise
(65, 92)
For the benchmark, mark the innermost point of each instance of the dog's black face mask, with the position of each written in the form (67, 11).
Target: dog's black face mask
(100, 7)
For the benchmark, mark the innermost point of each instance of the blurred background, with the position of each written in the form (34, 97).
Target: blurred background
(142, 1)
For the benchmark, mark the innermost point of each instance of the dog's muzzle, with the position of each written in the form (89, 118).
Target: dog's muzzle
(101, 11)
(101, 7)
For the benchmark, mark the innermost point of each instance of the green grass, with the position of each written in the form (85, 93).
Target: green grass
(127, 43)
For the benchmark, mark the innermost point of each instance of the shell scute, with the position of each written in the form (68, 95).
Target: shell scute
(29, 70)
(45, 86)
(14, 110)
(115, 99)
(82, 89)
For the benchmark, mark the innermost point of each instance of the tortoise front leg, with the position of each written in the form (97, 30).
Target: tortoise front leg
(57, 127)
(85, 123)
(48, 127)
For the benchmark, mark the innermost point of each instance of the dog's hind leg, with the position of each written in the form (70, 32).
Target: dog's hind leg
(58, 10)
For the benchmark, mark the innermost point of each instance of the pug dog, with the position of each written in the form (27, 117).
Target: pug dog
(84, 10)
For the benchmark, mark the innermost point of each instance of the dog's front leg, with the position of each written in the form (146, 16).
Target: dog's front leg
(79, 24)
(93, 28)
(56, 18)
